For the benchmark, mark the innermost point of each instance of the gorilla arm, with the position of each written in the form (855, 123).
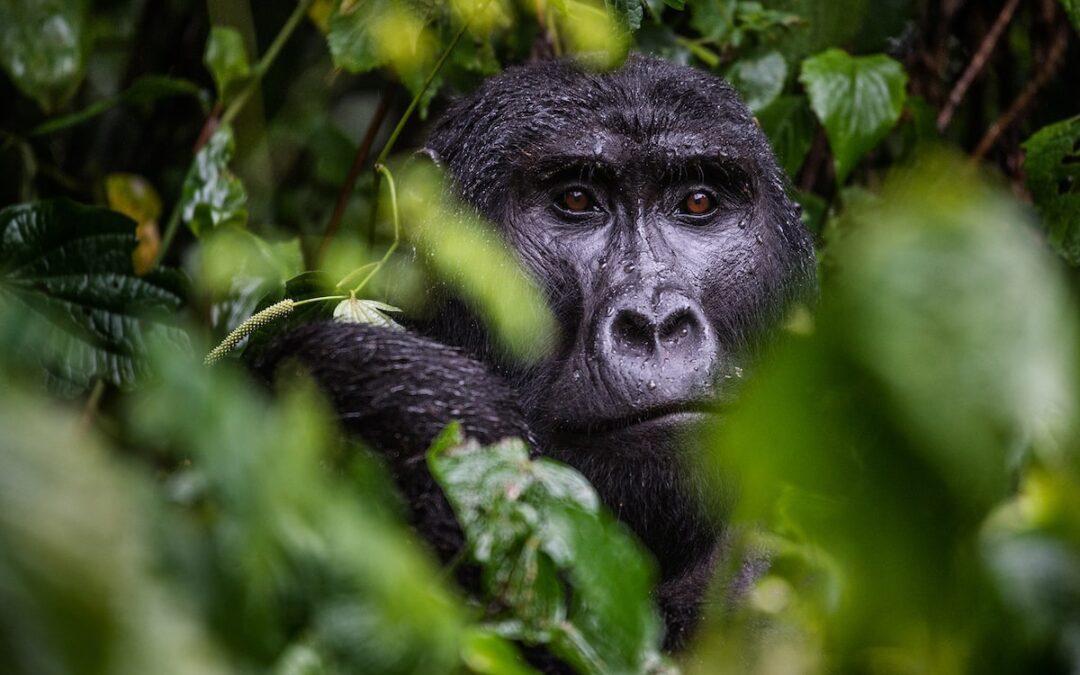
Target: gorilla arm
(397, 391)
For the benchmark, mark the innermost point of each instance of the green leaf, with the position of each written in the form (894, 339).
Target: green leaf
(857, 99)
(352, 36)
(462, 248)
(69, 269)
(292, 550)
(789, 124)
(945, 345)
(759, 79)
(534, 525)
(78, 558)
(227, 59)
(1052, 164)
(43, 48)
(212, 195)
(356, 310)
(713, 19)
(628, 13)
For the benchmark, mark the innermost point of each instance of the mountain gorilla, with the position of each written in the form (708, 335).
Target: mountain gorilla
(647, 204)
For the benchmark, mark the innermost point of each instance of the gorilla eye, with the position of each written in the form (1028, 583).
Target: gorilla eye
(698, 203)
(576, 200)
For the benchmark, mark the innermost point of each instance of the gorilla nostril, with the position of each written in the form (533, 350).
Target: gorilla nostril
(678, 326)
(633, 332)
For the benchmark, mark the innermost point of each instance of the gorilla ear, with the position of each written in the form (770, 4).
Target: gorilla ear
(432, 155)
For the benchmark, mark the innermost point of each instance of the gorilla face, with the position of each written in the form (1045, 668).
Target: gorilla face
(648, 204)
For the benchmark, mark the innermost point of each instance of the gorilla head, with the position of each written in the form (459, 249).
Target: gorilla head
(648, 205)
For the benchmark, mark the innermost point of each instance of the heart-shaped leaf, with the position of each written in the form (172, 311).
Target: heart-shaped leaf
(68, 268)
(857, 99)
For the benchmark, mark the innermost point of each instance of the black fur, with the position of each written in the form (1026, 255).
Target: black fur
(657, 308)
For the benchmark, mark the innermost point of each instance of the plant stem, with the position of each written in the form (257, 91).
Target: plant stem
(420, 94)
(381, 168)
(323, 298)
(266, 61)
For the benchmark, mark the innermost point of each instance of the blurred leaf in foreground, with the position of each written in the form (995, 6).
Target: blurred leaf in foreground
(43, 48)
(857, 98)
(945, 347)
(535, 525)
(469, 256)
(1052, 164)
(67, 271)
(282, 553)
(79, 592)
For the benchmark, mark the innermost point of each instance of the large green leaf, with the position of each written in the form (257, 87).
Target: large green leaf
(43, 47)
(69, 268)
(1052, 163)
(533, 523)
(212, 195)
(858, 99)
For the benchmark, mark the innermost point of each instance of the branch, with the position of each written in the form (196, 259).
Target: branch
(359, 159)
(1046, 73)
(978, 61)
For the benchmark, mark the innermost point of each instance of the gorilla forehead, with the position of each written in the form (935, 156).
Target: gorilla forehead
(649, 113)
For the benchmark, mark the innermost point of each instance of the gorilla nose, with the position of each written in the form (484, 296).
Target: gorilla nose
(672, 332)
(636, 333)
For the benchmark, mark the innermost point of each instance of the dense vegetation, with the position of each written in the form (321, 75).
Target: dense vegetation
(908, 455)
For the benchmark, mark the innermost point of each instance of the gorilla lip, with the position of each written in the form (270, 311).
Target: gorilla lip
(674, 412)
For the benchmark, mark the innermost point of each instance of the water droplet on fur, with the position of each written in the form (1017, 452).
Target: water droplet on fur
(652, 384)
(577, 374)
(630, 267)
(738, 371)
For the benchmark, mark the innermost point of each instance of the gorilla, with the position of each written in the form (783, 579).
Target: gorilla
(648, 206)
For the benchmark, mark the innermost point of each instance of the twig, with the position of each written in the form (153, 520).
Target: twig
(815, 159)
(1045, 74)
(92, 402)
(978, 61)
(359, 159)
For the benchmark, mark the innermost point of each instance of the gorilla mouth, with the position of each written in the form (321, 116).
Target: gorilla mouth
(675, 414)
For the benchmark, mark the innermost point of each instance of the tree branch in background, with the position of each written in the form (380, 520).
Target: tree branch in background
(1045, 74)
(978, 61)
(362, 152)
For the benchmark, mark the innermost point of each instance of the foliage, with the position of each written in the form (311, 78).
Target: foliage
(907, 454)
